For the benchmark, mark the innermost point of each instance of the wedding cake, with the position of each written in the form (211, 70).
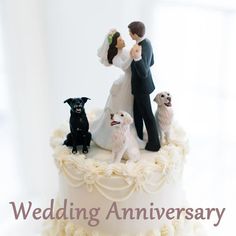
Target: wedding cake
(135, 198)
(102, 197)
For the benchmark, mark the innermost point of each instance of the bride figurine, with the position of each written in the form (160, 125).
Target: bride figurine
(120, 98)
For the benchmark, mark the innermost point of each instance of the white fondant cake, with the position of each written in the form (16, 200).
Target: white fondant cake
(115, 199)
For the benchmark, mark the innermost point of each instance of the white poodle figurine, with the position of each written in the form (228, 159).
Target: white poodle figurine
(164, 114)
(123, 142)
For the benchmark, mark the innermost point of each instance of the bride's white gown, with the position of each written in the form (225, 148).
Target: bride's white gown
(120, 98)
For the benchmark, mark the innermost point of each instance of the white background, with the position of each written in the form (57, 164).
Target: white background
(48, 53)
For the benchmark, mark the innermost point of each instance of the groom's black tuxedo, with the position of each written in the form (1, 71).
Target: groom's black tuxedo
(142, 85)
(141, 80)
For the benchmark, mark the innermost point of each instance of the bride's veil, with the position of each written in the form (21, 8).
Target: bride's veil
(102, 51)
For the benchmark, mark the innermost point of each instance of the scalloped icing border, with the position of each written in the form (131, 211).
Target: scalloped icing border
(144, 175)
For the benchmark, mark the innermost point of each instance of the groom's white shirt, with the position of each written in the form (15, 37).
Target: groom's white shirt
(138, 41)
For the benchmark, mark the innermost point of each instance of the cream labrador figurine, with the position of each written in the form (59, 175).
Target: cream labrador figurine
(123, 142)
(164, 114)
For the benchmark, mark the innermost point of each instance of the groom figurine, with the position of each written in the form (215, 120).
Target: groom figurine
(142, 85)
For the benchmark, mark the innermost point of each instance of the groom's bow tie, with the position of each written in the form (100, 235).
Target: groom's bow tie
(140, 43)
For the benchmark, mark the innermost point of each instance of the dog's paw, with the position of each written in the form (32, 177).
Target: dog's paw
(85, 150)
(74, 150)
(117, 160)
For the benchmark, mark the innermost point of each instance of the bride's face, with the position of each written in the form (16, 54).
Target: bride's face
(120, 43)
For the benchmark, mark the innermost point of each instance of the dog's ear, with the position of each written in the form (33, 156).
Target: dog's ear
(84, 99)
(69, 100)
(158, 99)
(128, 119)
(155, 99)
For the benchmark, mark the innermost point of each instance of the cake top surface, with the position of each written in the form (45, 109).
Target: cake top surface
(170, 156)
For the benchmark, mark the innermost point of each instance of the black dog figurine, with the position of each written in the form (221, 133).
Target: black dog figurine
(79, 126)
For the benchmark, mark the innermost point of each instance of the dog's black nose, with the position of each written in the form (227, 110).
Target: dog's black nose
(169, 99)
(112, 115)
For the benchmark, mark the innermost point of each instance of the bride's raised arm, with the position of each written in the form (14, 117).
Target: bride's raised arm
(122, 60)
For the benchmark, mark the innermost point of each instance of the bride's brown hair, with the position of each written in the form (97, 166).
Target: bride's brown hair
(112, 50)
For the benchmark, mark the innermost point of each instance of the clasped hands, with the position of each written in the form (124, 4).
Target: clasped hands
(136, 52)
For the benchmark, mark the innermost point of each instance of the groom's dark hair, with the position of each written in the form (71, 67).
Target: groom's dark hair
(137, 27)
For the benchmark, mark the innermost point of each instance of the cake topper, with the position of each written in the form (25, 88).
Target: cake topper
(164, 114)
(123, 142)
(79, 126)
